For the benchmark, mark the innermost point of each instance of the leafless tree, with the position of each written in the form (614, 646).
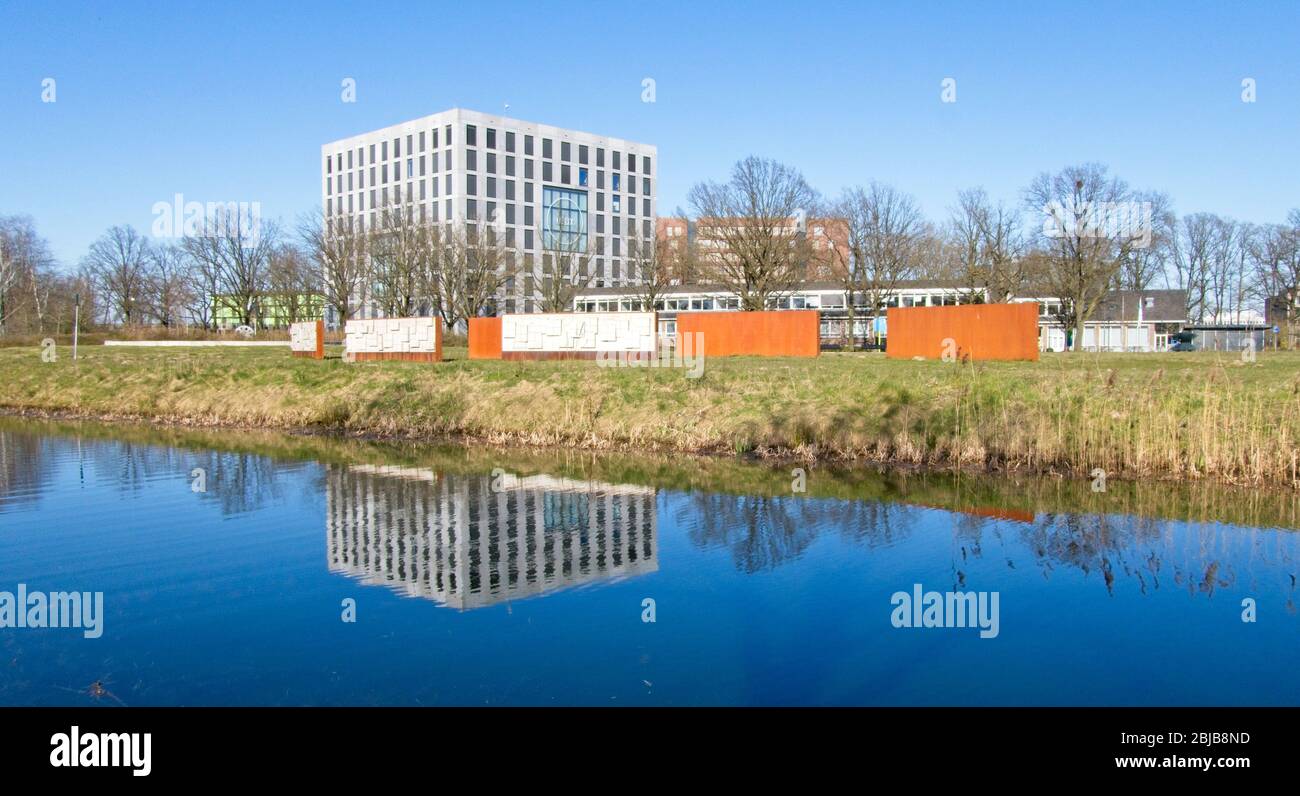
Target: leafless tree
(402, 254)
(751, 230)
(26, 273)
(986, 245)
(120, 264)
(1275, 258)
(338, 249)
(293, 285)
(1083, 243)
(473, 268)
(887, 236)
(650, 264)
(236, 250)
(1202, 247)
(565, 274)
(169, 287)
(1144, 266)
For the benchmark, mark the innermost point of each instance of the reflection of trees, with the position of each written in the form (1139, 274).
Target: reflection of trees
(764, 532)
(26, 466)
(237, 482)
(1134, 547)
(240, 482)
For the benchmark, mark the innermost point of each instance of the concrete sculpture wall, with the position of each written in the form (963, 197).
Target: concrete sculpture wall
(776, 333)
(307, 339)
(577, 335)
(410, 339)
(965, 331)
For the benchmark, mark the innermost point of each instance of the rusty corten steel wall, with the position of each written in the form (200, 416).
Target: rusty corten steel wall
(484, 338)
(979, 331)
(775, 333)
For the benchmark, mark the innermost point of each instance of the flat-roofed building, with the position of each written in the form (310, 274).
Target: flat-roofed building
(542, 189)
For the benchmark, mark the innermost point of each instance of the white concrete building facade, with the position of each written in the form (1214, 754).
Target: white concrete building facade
(542, 188)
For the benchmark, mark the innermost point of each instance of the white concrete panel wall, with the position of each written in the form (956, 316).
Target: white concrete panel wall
(392, 336)
(578, 332)
(302, 337)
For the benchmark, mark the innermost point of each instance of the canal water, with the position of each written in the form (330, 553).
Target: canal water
(256, 569)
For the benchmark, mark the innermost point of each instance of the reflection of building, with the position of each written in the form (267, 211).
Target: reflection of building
(461, 542)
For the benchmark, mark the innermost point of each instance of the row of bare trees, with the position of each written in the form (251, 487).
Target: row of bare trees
(1073, 235)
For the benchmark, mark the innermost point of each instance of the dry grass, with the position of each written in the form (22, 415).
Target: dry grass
(1166, 415)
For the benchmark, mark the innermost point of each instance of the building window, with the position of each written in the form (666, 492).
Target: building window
(582, 177)
(510, 141)
(471, 135)
(546, 147)
(566, 151)
(614, 180)
(491, 138)
(564, 219)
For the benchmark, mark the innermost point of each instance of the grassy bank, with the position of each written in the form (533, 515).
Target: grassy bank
(995, 495)
(1175, 415)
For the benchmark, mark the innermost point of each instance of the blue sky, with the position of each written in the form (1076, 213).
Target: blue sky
(231, 101)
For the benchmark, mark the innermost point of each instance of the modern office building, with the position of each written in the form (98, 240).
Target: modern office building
(544, 189)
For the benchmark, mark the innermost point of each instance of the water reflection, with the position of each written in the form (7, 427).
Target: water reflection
(474, 541)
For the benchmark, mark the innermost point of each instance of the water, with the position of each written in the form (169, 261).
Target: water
(484, 577)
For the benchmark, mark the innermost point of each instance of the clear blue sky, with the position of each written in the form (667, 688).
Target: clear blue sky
(231, 101)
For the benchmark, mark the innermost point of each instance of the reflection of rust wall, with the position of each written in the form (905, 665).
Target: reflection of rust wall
(979, 331)
(484, 338)
(777, 333)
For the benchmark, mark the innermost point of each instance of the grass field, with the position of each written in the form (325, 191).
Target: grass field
(1138, 415)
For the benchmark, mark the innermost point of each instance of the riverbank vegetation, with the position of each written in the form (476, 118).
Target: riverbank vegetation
(1164, 416)
(1019, 497)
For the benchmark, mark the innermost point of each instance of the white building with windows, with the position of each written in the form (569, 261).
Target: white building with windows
(1124, 320)
(542, 189)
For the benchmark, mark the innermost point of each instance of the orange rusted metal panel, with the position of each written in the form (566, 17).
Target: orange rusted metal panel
(484, 338)
(776, 333)
(965, 331)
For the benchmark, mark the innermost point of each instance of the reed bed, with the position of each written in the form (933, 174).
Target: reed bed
(1130, 416)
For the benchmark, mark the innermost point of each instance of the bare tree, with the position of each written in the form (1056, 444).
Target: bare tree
(987, 246)
(169, 288)
(473, 269)
(26, 267)
(1143, 265)
(750, 230)
(1086, 236)
(565, 274)
(338, 249)
(651, 267)
(887, 236)
(1275, 257)
(120, 264)
(292, 286)
(402, 253)
(236, 250)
